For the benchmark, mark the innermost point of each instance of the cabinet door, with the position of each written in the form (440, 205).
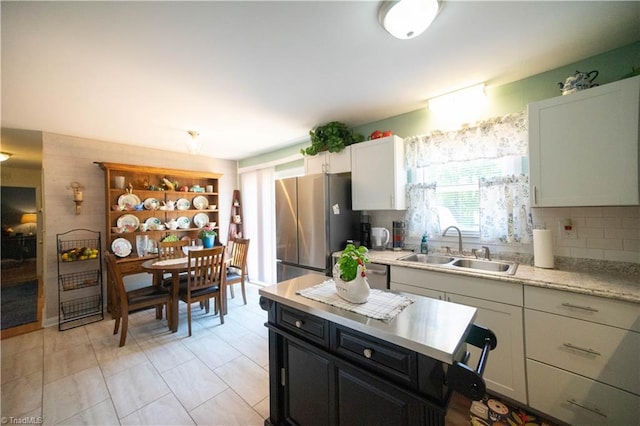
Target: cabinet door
(577, 400)
(315, 164)
(364, 400)
(328, 162)
(340, 162)
(583, 147)
(427, 292)
(505, 371)
(377, 174)
(306, 386)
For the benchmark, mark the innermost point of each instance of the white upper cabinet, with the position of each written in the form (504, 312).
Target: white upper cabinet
(378, 174)
(328, 162)
(583, 147)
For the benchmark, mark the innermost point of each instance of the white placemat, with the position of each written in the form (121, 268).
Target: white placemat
(381, 305)
(171, 261)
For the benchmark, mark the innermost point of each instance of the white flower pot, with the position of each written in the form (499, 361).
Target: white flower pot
(355, 291)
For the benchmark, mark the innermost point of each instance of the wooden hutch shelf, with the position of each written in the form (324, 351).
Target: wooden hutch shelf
(195, 197)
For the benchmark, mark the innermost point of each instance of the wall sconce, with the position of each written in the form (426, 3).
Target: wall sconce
(465, 99)
(77, 195)
(29, 219)
(4, 156)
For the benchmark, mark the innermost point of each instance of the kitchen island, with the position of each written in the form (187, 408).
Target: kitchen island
(331, 366)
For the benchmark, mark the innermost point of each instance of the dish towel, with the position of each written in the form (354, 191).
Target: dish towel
(171, 261)
(381, 305)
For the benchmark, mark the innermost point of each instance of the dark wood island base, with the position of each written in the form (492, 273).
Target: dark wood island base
(323, 372)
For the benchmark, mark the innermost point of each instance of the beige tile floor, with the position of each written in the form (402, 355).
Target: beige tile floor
(219, 376)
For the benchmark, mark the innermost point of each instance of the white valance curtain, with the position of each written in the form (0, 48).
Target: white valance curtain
(504, 200)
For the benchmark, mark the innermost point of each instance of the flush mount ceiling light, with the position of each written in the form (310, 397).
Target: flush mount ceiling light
(405, 19)
(194, 144)
(4, 156)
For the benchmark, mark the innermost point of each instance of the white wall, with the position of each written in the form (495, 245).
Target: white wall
(67, 159)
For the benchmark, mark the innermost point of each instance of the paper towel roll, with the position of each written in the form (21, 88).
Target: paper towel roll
(542, 248)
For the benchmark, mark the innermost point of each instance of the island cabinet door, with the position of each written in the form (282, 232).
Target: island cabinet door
(362, 399)
(307, 385)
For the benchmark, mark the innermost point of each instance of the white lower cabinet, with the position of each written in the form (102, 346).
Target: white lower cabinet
(582, 357)
(499, 307)
(577, 400)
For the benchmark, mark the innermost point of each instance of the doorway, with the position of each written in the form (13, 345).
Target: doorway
(22, 234)
(21, 290)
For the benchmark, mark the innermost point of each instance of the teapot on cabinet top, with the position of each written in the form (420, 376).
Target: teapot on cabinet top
(578, 81)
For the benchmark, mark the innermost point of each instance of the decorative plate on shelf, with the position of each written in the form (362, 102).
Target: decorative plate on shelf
(183, 204)
(121, 247)
(152, 222)
(128, 222)
(200, 202)
(201, 219)
(183, 222)
(128, 201)
(151, 204)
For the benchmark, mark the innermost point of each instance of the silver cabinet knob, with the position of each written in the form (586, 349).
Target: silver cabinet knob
(368, 353)
(298, 323)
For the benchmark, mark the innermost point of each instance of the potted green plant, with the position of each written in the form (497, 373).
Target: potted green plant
(333, 137)
(208, 235)
(349, 274)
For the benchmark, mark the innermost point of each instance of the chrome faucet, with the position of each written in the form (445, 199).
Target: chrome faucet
(487, 253)
(459, 236)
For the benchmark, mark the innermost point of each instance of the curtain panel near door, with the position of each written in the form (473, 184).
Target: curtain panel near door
(504, 199)
(258, 198)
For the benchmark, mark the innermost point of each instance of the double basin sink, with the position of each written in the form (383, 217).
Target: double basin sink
(463, 263)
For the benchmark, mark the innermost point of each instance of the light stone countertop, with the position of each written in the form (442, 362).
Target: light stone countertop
(605, 284)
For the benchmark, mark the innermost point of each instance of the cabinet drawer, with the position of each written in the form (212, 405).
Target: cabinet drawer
(451, 283)
(616, 313)
(381, 357)
(131, 267)
(303, 325)
(577, 400)
(606, 354)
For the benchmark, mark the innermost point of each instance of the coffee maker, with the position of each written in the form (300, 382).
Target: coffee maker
(365, 231)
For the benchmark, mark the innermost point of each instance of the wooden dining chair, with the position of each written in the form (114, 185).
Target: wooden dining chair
(205, 279)
(237, 266)
(127, 301)
(171, 249)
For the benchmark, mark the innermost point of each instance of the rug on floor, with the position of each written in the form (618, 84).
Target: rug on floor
(19, 304)
(494, 411)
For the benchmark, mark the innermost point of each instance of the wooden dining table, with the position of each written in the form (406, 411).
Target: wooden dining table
(176, 266)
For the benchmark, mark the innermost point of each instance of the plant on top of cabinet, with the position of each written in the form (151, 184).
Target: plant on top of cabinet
(333, 137)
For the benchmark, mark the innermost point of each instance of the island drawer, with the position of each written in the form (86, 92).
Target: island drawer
(303, 325)
(389, 360)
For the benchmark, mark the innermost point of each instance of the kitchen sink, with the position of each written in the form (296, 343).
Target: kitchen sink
(476, 265)
(486, 265)
(432, 259)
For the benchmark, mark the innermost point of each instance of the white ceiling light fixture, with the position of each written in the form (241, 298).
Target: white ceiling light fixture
(194, 144)
(4, 156)
(405, 19)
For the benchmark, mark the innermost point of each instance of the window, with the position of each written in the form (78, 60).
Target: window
(457, 178)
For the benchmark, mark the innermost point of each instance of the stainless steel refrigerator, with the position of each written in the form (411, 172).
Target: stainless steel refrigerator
(313, 219)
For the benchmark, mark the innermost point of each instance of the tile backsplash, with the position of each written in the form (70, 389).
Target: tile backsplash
(600, 233)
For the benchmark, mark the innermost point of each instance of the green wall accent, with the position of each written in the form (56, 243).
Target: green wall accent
(504, 99)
